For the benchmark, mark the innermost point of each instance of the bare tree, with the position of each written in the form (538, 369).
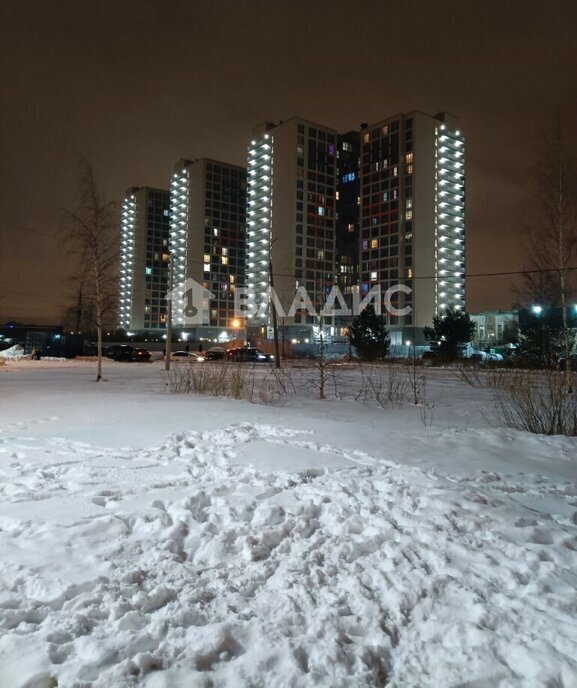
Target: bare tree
(553, 244)
(79, 314)
(90, 233)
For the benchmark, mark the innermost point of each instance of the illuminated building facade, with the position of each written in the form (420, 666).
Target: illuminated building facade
(208, 232)
(292, 168)
(144, 236)
(412, 215)
(347, 223)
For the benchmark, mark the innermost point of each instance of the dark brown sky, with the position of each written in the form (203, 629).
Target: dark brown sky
(136, 85)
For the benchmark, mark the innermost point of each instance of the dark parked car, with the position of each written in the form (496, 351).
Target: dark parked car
(122, 352)
(248, 354)
(142, 355)
(430, 357)
(215, 353)
(125, 352)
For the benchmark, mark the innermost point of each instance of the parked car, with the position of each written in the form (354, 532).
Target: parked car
(485, 356)
(215, 353)
(142, 355)
(430, 358)
(248, 354)
(121, 352)
(188, 356)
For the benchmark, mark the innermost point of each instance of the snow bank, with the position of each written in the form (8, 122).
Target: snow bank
(181, 565)
(15, 351)
(313, 544)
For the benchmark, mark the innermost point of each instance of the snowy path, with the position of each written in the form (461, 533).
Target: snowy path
(181, 565)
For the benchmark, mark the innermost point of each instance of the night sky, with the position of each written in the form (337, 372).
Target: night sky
(136, 85)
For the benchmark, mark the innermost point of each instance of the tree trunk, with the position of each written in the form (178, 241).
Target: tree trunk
(98, 322)
(561, 240)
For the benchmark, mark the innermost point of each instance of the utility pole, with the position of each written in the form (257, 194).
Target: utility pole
(168, 346)
(273, 309)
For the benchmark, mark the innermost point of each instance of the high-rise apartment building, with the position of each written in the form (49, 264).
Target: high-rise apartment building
(144, 236)
(412, 213)
(208, 232)
(291, 214)
(347, 225)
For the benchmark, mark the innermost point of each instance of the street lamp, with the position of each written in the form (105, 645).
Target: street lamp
(538, 310)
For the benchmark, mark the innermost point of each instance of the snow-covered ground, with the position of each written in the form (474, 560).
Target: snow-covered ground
(168, 541)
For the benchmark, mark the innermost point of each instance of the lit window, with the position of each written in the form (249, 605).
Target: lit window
(366, 137)
(320, 255)
(395, 171)
(215, 231)
(374, 276)
(409, 157)
(231, 278)
(224, 260)
(374, 243)
(337, 195)
(148, 271)
(207, 267)
(385, 195)
(409, 169)
(409, 215)
(225, 252)
(207, 257)
(351, 227)
(300, 151)
(409, 203)
(410, 273)
(321, 210)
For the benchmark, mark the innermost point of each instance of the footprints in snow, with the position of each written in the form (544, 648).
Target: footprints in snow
(28, 424)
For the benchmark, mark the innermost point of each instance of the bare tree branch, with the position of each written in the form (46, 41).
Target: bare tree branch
(553, 241)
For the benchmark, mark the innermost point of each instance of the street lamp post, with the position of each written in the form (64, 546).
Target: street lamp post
(538, 311)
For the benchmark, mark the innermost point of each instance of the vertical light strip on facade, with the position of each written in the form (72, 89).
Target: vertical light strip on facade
(260, 164)
(127, 231)
(449, 220)
(179, 233)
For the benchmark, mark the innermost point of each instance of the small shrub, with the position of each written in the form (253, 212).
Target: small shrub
(538, 402)
(218, 380)
(386, 385)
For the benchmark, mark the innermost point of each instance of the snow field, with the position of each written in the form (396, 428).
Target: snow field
(189, 562)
